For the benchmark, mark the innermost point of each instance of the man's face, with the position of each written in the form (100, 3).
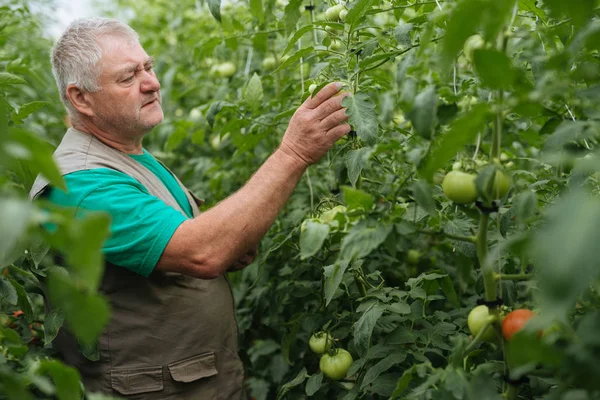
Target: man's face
(129, 101)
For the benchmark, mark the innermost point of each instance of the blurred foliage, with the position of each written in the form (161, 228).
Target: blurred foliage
(428, 97)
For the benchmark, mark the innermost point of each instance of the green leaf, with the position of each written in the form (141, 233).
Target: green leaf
(66, 379)
(314, 384)
(301, 377)
(52, 324)
(357, 199)
(28, 109)
(363, 328)
(404, 381)
(423, 115)
(23, 301)
(78, 305)
(529, 5)
(38, 157)
(448, 289)
(312, 237)
(580, 11)
(402, 33)
(363, 117)
(292, 15)
(566, 255)
(568, 132)
(362, 240)
(296, 36)
(83, 253)
(494, 68)
(8, 293)
(253, 92)
(462, 23)
(463, 130)
(14, 220)
(356, 160)
(214, 109)
(423, 195)
(294, 59)
(214, 6)
(333, 275)
(525, 205)
(176, 138)
(7, 79)
(359, 8)
(388, 362)
(257, 9)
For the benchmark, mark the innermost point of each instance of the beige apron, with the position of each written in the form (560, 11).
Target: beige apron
(170, 336)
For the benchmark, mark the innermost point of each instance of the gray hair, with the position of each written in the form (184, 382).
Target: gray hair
(77, 54)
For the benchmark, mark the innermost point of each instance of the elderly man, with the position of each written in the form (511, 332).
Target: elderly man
(172, 333)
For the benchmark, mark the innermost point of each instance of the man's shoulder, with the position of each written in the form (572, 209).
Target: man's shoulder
(97, 183)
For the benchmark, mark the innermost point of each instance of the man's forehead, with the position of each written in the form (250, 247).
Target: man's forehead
(119, 53)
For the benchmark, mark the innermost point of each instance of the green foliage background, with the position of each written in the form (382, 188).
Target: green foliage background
(525, 103)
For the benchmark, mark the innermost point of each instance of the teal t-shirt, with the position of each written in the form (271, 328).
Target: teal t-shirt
(141, 225)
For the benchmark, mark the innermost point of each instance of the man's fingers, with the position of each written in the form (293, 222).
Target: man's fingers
(335, 119)
(329, 106)
(339, 131)
(324, 94)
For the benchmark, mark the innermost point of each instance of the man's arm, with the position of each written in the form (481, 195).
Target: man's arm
(208, 245)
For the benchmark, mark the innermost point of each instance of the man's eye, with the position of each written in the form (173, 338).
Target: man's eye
(129, 79)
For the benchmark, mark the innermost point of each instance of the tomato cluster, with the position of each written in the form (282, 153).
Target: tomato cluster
(480, 318)
(334, 362)
(460, 187)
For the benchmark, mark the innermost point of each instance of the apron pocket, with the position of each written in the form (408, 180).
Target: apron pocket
(136, 380)
(193, 368)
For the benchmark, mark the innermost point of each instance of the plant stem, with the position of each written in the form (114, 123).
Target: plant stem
(489, 280)
(463, 238)
(512, 392)
(514, 277)
(488, 325)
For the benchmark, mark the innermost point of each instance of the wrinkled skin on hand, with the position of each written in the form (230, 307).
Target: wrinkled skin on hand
(316, 125)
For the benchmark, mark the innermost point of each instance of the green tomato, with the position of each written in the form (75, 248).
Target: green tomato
(335, 44)
(312, 88)
(320, 342)
(343, 14)
(477, 320)
(471, 44)
(269, 63)
(459, 187)
(413, 256)
(336, 365)
(501, 185)
(333, 13)
(227, 69)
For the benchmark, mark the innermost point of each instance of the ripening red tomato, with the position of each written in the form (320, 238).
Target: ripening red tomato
(514, 322)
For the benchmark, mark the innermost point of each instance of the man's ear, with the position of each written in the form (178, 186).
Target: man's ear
(79, 99)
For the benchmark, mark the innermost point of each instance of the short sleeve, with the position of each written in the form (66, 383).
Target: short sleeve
(141, 225)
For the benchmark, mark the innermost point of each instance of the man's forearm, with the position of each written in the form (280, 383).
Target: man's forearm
(222, 235)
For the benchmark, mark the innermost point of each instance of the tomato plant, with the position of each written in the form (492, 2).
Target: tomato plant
(476, 89)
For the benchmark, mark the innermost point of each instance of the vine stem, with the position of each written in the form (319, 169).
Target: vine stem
(489, 276)
(463, 238)
(513, 277)
(512, 392)
(487, 325)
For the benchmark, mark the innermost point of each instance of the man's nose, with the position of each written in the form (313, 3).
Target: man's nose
(150, 82)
